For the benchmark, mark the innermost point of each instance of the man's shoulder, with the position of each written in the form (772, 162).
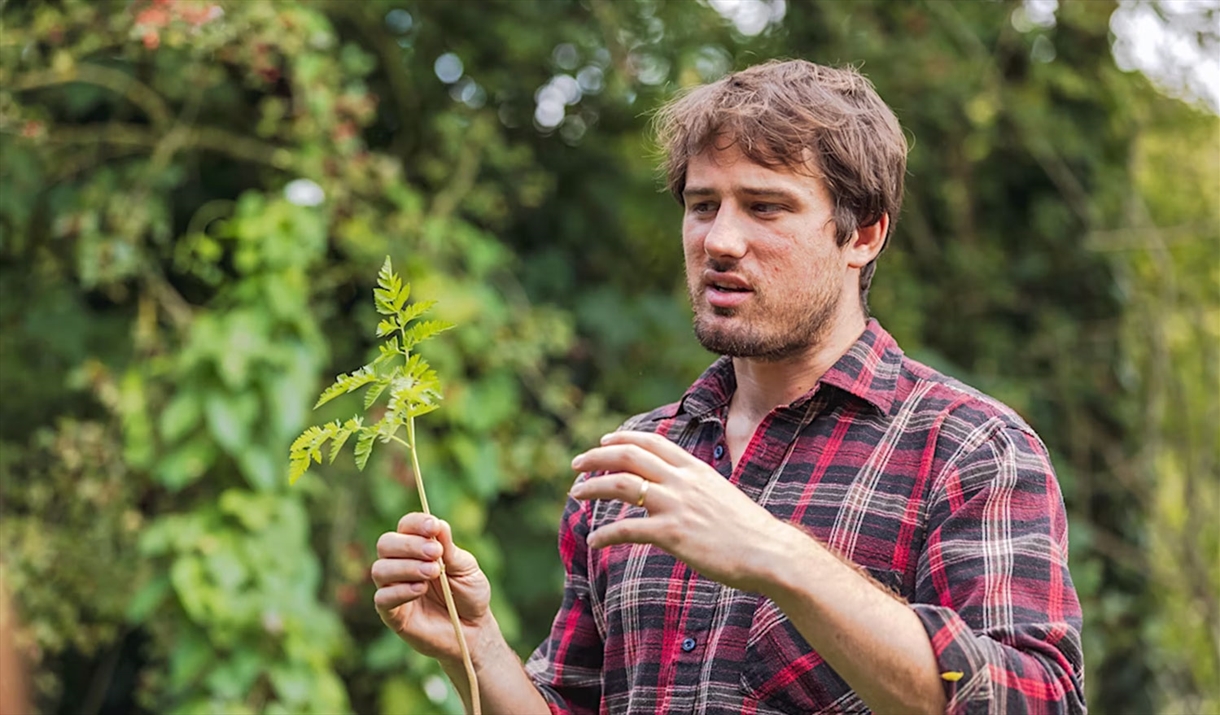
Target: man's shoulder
(958, 405)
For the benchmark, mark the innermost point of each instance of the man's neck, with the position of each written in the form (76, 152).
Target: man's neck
(764, 385)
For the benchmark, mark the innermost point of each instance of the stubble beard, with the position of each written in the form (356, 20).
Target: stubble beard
(777, 332)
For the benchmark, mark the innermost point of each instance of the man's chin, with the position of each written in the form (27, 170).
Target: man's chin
(725, 342)
(739, 344)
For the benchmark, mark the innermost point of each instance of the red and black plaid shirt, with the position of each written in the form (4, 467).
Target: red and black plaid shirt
(939, 492)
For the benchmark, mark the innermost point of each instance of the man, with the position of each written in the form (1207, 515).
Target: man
(820, 524)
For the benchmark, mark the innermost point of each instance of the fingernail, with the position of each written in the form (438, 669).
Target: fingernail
(429, 525)
(432, 549)
(577, 461)
(605, 438)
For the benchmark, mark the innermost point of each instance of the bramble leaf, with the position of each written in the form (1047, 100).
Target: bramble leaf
(386, 326)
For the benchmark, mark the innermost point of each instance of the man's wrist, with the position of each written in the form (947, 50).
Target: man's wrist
(790, 559)
(485, 643)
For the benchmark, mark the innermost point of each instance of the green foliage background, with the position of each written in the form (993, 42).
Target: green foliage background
(168, 310)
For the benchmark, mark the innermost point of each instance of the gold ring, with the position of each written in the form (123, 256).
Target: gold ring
(644, 484)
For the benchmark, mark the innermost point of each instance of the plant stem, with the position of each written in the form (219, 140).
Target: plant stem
(476, 709)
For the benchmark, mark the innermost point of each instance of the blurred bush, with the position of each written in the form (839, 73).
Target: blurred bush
(196, 197)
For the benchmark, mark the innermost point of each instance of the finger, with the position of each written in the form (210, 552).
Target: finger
(419, 523)
(623, 487)
(390, 597)
(629, 458)
(627, 531)
(653, 443)
(393, 545)
(458, 561)
(386, 572)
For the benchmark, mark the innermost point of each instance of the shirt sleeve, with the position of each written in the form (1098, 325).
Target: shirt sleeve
(567, 667)
(993, 589)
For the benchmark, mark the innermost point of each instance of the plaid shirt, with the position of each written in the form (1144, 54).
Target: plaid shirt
(941, 493)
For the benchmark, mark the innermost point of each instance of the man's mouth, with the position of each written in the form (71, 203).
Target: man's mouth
(726, 282)
(725, 290)
(728, 288)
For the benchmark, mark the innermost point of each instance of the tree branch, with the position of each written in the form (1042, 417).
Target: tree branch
(199, 137)
(117, 81)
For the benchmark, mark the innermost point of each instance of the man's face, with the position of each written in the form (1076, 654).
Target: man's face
(764, 273)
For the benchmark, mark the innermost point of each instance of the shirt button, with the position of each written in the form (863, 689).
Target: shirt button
(719, 451)
(688, 644)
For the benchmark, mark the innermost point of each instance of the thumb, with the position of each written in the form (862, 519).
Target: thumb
(458, 561)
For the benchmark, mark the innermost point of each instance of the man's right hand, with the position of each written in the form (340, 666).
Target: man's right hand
(409, 597)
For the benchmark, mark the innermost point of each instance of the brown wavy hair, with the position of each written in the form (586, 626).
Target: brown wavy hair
(823, 121)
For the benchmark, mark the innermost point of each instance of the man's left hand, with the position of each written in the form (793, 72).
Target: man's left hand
(694, 513)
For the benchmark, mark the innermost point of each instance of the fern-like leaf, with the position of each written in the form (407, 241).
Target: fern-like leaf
(389, 350)
(364, 446)
(347, 383)
(377, 388)
(413, 386)
(423, 330)
(341, 435)
(390, 293)
(297, 466)
(386, 326)
(413, 311)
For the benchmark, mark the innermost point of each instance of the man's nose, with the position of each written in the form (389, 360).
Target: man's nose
(727, 237)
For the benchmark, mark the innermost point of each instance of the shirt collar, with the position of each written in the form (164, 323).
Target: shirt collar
(869, 370)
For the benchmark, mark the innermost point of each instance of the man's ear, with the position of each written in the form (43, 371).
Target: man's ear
(866, 243)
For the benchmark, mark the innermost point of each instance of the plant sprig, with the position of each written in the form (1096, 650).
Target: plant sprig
(414, 390)
(413, 386)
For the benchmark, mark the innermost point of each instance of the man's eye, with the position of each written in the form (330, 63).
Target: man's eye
(767, 208)
(703, 207)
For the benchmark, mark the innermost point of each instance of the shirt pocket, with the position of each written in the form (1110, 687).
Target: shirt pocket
(783, 672)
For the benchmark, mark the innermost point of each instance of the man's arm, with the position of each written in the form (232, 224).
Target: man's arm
(504, 686)
(992, 587)
(874, 641)
(996, 618)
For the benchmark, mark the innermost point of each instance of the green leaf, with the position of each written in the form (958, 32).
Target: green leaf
(414, 310)
(260, 469)
(185, 463)
(364, 446)
(180, 415)
(386, 276)
(390, 294)
(385, 327)
(297, 468)
(376, 389)
(347, 383)
(147, 599)
(308, 447)
(230, 418)
(389, 350)
(338, 440)
(424, 330)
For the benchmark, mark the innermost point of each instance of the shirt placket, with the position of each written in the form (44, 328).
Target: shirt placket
(686, 644)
